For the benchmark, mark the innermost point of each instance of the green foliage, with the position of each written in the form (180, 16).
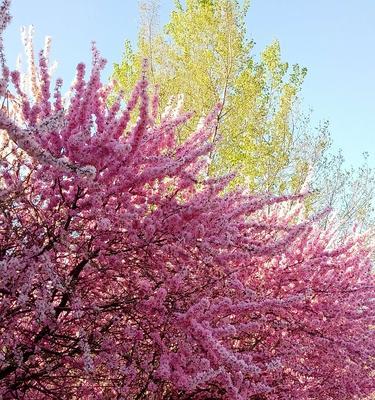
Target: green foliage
(203, 52)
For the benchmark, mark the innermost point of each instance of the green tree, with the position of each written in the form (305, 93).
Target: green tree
(204, 54)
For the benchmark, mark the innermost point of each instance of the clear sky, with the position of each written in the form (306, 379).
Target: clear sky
(334, 39)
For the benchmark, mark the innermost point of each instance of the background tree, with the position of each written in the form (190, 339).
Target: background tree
(126, 273)
(349, 191)
(204, 54)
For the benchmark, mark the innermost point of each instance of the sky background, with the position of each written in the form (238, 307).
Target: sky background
(334, 39)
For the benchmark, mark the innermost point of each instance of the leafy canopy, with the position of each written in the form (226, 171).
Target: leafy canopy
(203, 54)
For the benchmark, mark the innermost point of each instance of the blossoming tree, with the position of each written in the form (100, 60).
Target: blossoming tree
(126, 273)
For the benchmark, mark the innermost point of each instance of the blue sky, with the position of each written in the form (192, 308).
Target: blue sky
(334, 39)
